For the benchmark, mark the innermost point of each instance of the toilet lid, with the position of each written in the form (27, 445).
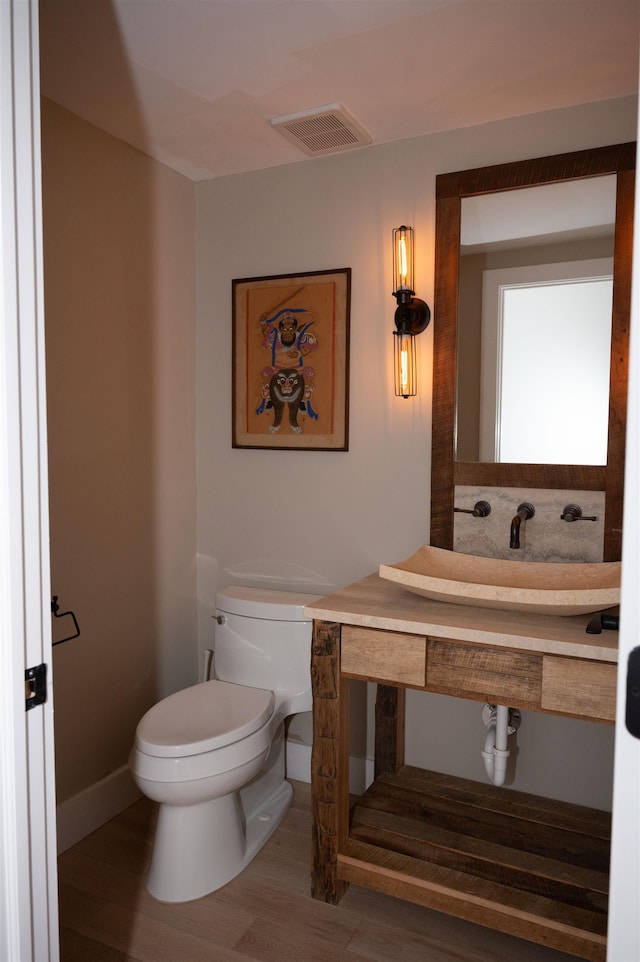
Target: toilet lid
(202, 718)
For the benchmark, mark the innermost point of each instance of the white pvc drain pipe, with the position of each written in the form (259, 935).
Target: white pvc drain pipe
(495, 751)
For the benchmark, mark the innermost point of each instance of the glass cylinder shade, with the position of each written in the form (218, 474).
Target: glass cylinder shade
(402, 259)
(404, 365)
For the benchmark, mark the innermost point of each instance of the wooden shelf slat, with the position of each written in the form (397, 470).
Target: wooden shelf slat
(453, 790)
(543, 876)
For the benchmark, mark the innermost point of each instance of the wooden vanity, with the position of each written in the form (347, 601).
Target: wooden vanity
(533, 867)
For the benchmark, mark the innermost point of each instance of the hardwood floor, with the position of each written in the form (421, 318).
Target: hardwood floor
(266, 914)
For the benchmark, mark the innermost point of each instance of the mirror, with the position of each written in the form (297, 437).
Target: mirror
(592, 190)
(535, 294)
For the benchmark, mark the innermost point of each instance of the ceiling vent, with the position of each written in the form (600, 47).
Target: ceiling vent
(322, 130)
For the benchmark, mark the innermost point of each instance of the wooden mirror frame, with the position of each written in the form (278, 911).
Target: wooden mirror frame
(446, 472)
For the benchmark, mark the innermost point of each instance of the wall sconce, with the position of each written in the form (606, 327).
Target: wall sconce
(412, 315)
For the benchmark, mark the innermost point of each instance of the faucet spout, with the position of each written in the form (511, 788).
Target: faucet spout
(525, 511)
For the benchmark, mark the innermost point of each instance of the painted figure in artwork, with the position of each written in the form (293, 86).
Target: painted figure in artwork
(287, 380)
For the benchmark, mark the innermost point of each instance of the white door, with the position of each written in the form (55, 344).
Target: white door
(28, 880)
(624, 902)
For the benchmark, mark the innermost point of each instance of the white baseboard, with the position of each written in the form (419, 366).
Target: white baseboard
(299, 768)
(88, 810)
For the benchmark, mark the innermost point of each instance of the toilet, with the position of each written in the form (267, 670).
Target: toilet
(213, 755)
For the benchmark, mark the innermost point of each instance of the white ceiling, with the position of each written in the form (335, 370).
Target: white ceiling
(194, 83)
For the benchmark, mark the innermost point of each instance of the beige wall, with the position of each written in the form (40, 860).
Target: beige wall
(331, 518)
(119, 254)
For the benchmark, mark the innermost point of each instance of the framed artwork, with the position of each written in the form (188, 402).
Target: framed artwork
(291, 361)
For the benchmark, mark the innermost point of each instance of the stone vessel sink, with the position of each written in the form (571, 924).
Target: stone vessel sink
(544, 588)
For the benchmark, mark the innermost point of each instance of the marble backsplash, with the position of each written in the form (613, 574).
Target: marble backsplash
(545, 537)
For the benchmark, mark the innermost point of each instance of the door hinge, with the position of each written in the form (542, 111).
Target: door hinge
(35, 686)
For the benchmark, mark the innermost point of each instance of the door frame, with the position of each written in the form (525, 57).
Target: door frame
(28, 871)
(623, 942)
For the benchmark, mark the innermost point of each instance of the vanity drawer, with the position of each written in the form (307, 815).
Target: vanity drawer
(474, 671)
(579, 687)
(386, 656)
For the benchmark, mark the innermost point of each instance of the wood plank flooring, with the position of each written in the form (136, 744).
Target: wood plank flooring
(264, 915)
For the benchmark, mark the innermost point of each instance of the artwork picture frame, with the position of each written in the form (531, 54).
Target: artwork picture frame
(290, 383)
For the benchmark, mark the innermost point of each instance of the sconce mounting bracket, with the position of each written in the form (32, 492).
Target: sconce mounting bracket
(412, 315)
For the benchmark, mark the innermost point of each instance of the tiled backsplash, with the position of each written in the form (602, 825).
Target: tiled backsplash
(545, 537)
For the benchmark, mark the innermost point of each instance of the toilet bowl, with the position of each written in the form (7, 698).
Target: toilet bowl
(213, 755)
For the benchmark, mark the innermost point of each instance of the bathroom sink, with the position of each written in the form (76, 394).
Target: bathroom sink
(546, 588)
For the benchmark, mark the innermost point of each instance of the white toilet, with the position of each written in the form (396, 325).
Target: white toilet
(214, 755)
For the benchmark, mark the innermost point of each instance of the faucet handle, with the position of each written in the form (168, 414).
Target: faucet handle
(573, 512)
(481, 509)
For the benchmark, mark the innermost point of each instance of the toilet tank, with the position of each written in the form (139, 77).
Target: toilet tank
(263, 640)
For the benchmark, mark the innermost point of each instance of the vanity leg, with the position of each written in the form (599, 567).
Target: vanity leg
(329, 763)
(389, 743)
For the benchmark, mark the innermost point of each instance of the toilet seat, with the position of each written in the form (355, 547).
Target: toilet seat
(203, 718)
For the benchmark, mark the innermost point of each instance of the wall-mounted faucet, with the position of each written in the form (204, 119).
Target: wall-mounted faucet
(525, 511)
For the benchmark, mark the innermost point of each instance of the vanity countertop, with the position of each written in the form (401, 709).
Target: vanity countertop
(375, 602)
